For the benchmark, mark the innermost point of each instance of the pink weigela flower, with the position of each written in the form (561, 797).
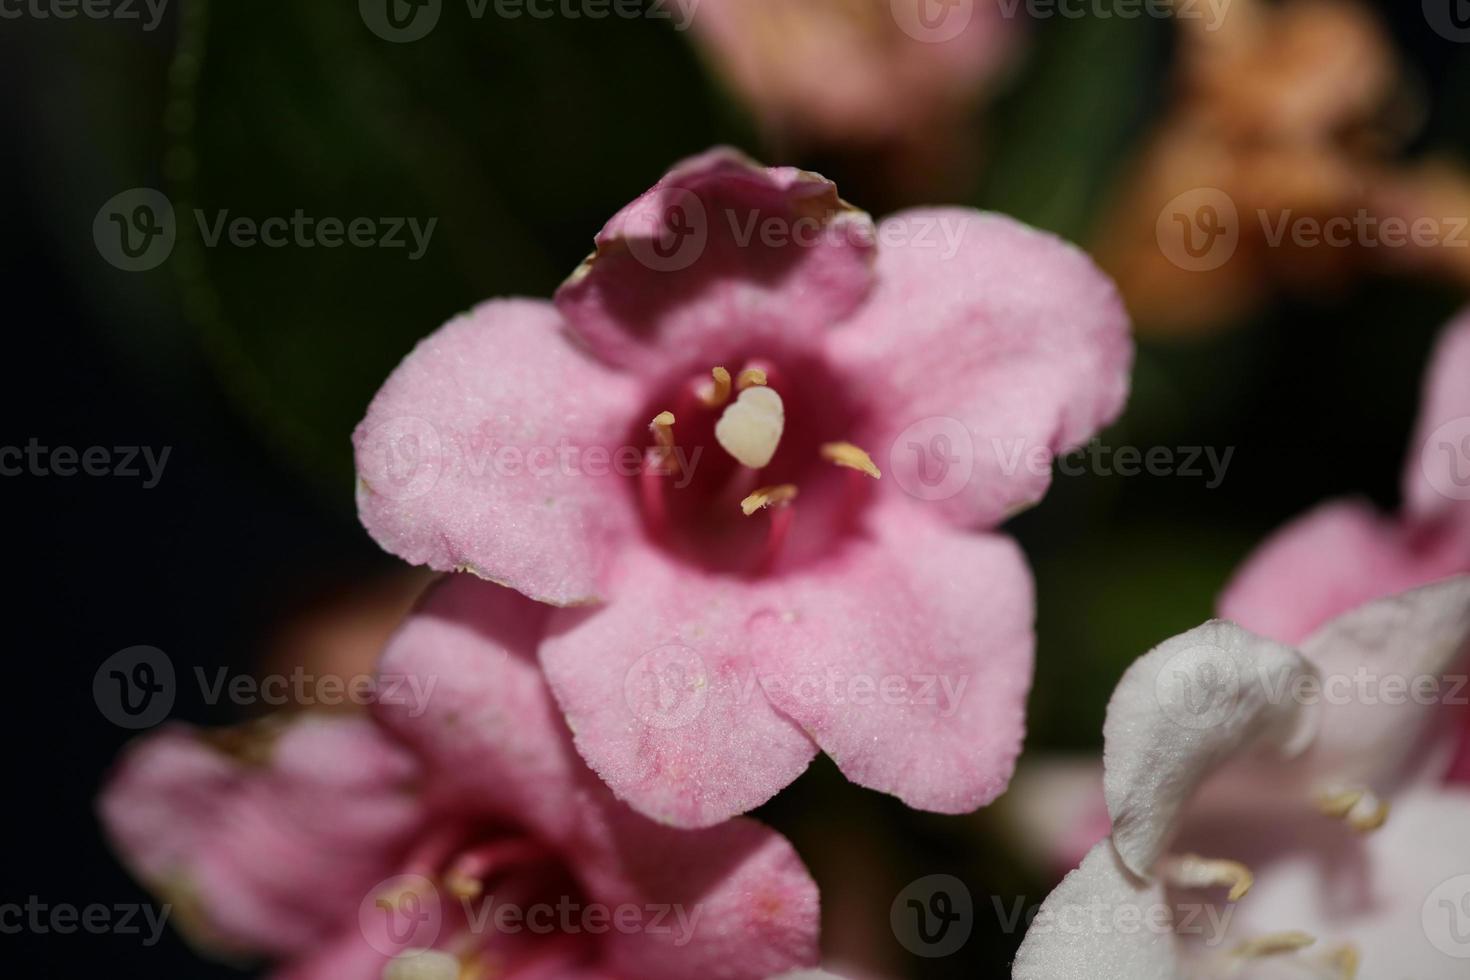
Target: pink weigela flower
(752, 453)
(460, 839)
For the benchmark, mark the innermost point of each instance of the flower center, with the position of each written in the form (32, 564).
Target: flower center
(732, 458)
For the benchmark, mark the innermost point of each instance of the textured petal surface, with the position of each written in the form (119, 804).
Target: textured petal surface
(494, 447)
(908, 659)
(1399, 895)
(1182, 711)
(1077, 934)
(268, 856)
(660, 689)
(484, 720)
(1325, 563)
(741, 903)
(988, 347)
(720, 247)
(1383, 668)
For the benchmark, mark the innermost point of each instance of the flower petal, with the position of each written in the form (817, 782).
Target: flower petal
(740, 903)
(1437, 472)
(987, 348)
(908, 659)
(1076, 936)
(482, 717)
(1181, 712)
(719, 248)
(1328, 561)
(1383, 668)
(267, 855)
(495, 447)
(659, 687)
(1055, 810)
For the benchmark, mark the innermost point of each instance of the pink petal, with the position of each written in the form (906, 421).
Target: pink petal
(1330, 560)
(487, 727)
(743, 905)
(494, 447)
(1182, 711)
(1437, 472)
(1056, 811)
(988, 347)
(1076, 936)
(907, 658)
(274, 856)
(1398, 894)
(726, 279)
(659, 687)
(1384, 668)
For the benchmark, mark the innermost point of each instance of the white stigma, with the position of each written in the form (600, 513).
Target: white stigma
(422, 964)
(751, 426)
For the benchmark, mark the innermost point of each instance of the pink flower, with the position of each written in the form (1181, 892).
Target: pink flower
(704, 645)
(1234, 772)
(463, 838)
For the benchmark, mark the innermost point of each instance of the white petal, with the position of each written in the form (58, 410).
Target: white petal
(1183, 710)
(1101, 923)
(1383, 671)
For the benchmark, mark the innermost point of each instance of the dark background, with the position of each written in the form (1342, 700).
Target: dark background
(522, 137)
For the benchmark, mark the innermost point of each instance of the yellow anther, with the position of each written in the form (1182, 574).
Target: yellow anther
(1360, 809)
(853, 457)
(782, 493)
(1345, 960)
(1193, 871)
(716, 393)
(1275, 944)
(749, 377)
(662, 428)
(463, 886)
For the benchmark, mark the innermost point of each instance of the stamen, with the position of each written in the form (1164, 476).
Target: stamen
(750, 428)
(466, 876)
(715, 393)
(422, 964)
(772, 496)
(750, 377)
(662, 428)
(1360, 809)
(1193, 871)
(1274, 944)
(854, 458)
(1345, 960)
